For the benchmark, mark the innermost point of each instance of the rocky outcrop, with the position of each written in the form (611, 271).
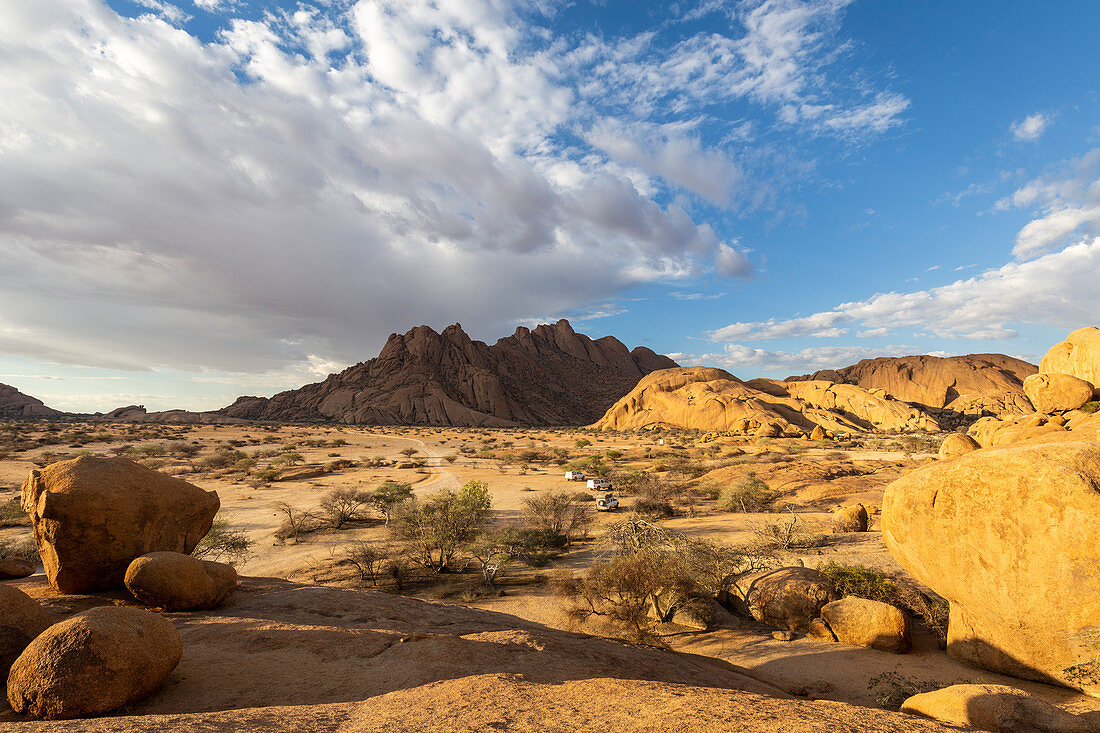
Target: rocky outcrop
(94, 662)
(1036, 428)
(177, 582)
(863, 622)
(15, 404)
(789, 598)
(21, 619)
(957, 444)
(948, 388)
(704, 398)
(1078, 355)
(1051, 393)
(996, 708)
(93, 515)
(550, 375)
(1010, 537)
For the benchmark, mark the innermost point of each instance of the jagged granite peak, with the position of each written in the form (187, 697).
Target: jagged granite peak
(549, 375)
(14, 403)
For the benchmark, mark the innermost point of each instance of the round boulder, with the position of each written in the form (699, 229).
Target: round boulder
(1010, 537)
(863, 622)
(818, 433)
(177, 582)
(15, 567)
(93, 515)
(1052, 393)
(94, 662)
(851, 519)
(1078, 355)
(820, 630)
(957, 444)
(790, 598)
(21, 619)
(995, 708)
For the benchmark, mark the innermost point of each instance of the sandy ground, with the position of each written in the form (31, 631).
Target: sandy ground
(804, 667)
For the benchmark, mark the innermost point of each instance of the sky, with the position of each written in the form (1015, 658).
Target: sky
(206, 198)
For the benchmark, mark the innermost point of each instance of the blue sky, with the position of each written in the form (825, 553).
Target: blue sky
(205, 199)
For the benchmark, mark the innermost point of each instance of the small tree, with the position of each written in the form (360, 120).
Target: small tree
(344, 505)
(387, 496)
(492, 552)
(367, 559)
(409, 452)
(223, 541)
(436, 528)
(559, 513)
(289, 459)
(296, 522)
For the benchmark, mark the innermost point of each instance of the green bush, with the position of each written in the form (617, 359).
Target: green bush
(1091, 407)
(751, 494)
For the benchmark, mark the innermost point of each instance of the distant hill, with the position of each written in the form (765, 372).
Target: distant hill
(970, 385)
(550, 375)
(14, 403)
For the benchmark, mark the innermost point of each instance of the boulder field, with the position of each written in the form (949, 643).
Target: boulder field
(1010, 537)
(93, 515)
(279, 656)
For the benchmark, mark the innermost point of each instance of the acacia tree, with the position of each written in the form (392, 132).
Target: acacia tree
(437, 527)
(388, 496)
(341, 506)
(559, 513)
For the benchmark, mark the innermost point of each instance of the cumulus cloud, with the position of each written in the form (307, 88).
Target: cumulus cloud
(1031, 127)
(293, 190)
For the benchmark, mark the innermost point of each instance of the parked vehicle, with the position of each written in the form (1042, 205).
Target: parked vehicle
(574, 476)
(606, 503)
(598, 483)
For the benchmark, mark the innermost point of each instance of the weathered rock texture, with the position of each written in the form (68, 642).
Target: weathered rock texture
(789, 598)
(1078, 355)
(996, 708)
(1036, 428)
(93, 515)
(93, 663)
(957, 444)
(546, 376)
(21, 619)
(851, 519)
(1011, 538)
(14, 403)
(280, 657)
(177, 582)
(863, 622)
(952, 387)
(15, 567)
(704, 398)
(1052, 393)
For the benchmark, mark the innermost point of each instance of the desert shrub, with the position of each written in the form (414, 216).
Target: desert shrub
(559, 513)
(12, 515)
(389, 495)
(223, 543)
(437, 527)
(535, 547)
(296, 522)
(222, 458)
(653, 507)
(750, 494)
(864, 582)
(288, 459)
(341, 506)
(582, 443)
(368, 559)
(1091, 407)
(789, 534)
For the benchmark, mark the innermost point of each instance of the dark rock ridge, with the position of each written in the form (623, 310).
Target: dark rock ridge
(547, 376)
(14, 403)
(966, 387)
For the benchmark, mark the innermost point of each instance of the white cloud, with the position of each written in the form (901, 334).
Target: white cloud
(1031, 127)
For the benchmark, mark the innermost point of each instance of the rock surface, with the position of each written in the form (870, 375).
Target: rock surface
(21, 619)
(1057, 392)
(280, 657)
(957, 444)
(547, 376)
(1010, 537)
(177, 582)
(704, 398)
(15, 567)
(863, 622)
(956, 386)
(15, 404)
(93, 663)
(789, 598)
(93, 515)
(1078, 355)
(995, 708)
(851, 519)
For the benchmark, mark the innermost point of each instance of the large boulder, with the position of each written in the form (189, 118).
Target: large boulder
(851, 519)
(94, 662)
(178, 582)
(1011, 538)
(93, 515)
(1078, 355)
(21, 619)
(957, 444)
(995, 708)
(790, 598)
(13, 568)
(863, 622)
(1057, 392)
